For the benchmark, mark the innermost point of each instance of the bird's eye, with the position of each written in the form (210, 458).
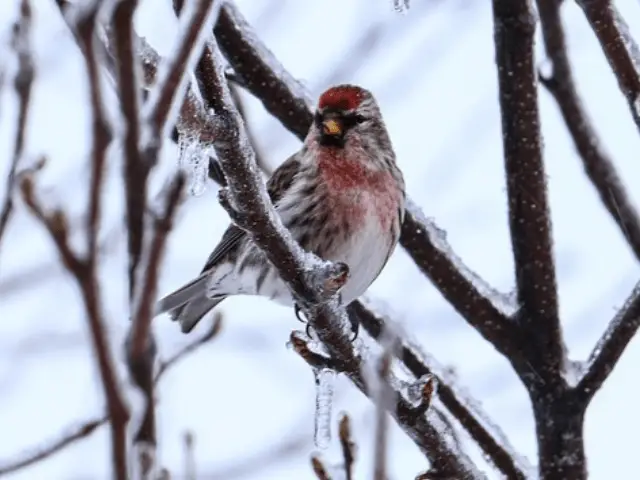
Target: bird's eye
(318, 118)
(360, 118)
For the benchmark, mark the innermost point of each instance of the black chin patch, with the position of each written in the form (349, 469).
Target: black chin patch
(332, 141)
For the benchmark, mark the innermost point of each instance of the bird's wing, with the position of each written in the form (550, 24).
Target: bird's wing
(277, 185)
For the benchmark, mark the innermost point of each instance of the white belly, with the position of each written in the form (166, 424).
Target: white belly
(365, 253)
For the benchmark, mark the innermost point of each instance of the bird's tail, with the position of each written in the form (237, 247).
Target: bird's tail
(189, 303)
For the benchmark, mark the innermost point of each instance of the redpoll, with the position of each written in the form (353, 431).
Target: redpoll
(341, 196)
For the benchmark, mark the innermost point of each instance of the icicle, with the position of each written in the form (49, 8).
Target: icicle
(194, 158)
(325, 379)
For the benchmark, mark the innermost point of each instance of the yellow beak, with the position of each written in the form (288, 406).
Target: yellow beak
(332, 126)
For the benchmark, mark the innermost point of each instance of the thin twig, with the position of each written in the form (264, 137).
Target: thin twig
(319, 469)
(610, 347)
(89, 427)
(135, 168)
(21, 43)
(492, 441)
(619, 48)
(85, 275)
(101, 130)
(596, 160)
(347, 446)
(75, 434)
(174, 79)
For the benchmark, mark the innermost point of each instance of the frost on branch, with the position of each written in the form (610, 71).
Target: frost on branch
(194, 160)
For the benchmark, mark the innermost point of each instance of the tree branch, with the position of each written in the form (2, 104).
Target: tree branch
(135, 168)
(596, 161)
(489, 438)
(610, 347)
(90, 426)
(247, 203)
(172, 83)
(529, 218)
(619, 48)
(284, 98)
(21, 43)
(75, 434)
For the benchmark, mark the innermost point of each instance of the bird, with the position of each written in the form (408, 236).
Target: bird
(342, 197)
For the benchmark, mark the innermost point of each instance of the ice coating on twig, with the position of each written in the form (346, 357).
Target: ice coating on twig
(194, 159)
(503, 303)
(297, 89)
(325, 380)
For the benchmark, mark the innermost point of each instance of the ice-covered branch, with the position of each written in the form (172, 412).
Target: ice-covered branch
(21, 43)
(174, 77)
(261, 73)
(484, 432)
(595, 159)
(70, 437)
(285, 98)
(529, 218)
(427, 434)
(84, 269)
(619, 48)
(136, 169)
(466, 291)
(610, 347)
(84, 272)
(86, 428)
(141, 347)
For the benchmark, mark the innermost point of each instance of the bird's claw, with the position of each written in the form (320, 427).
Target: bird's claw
(355, 324)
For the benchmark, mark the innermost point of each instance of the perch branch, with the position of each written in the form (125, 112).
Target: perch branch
(283, 97)
(596, 161)
(247, 203)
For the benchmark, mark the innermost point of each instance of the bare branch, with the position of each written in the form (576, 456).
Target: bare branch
(347, 446)
(493, 442)
(170, 86)
(254, 64)
(619, 48)
(101, 130)
(427, 435)
(163, 225)
(66, 440)
(136, 169)
(319, 469)
(610, 347)
(89, 427)
(21, 43)
(84, 273)
(529, 218)
(597, 162)
(210, 334)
